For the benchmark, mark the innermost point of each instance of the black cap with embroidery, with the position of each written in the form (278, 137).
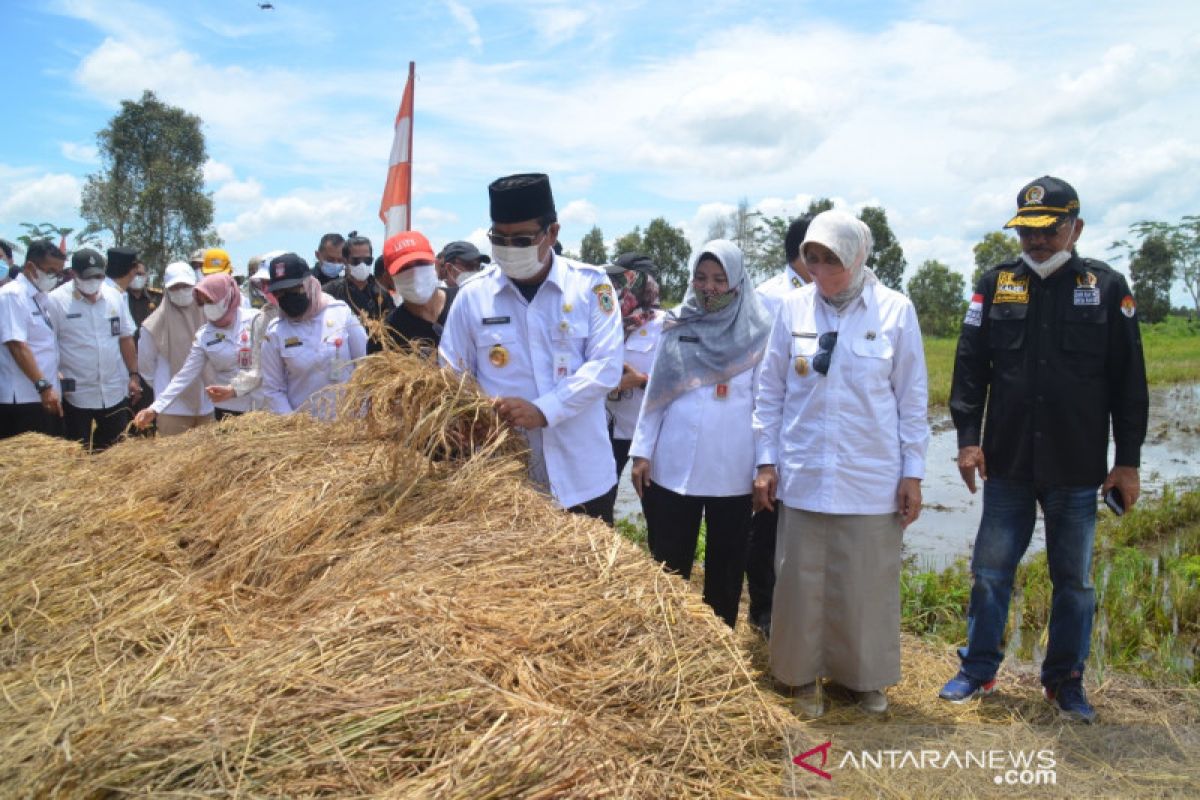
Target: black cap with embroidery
(631, 261)
(464, 251)
(87, 263)
(286, 271)
(517, 198)
(1042, 203)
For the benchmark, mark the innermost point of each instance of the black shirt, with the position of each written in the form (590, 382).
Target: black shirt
(407, 327)
(141, 307)
(371, 300)
(1052, 361)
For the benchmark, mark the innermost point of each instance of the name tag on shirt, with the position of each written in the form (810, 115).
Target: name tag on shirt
(804, 334)
(69, 316)
(692, 339)
(114, 325)
(562, 364)
(1087, 296)
(496, 320)
(292, 341)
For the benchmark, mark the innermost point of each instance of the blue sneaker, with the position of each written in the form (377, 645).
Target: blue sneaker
(1071, 700)
(962, 687)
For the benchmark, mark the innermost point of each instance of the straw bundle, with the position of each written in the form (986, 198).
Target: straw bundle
(380, 605)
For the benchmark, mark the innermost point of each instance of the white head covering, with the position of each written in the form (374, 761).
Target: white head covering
(850, 240)
(702, 348)
(179, 272)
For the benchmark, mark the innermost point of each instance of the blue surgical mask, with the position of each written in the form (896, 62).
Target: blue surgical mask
(331, 269)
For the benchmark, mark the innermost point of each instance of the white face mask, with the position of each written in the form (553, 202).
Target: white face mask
(331, 269)
(89, 286)
(1050, 265)
(181, 297)
(213, 311)
(44, 281)
(518, 263)
(138, 283)
(360, 272)
(417, 284)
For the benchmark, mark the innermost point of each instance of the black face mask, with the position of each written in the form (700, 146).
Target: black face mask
(292, 304)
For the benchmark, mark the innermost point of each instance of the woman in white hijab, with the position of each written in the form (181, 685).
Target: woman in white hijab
(163, 348)
(693, 448)
(841, 427)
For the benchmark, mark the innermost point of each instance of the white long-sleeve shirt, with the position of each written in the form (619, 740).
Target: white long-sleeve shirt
(624, 405)
(89, 344)
(701, 443)
(562, 352)
(300, 360)
(224, 351)
(841, 442)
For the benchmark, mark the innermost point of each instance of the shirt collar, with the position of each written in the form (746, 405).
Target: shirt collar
(794, 279)
(28, 286)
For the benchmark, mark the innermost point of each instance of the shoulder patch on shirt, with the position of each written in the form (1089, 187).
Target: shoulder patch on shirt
(292, 341)
(974, 311)
(496, 320)
(1128, 306)
(1011, 289)
(604, 295)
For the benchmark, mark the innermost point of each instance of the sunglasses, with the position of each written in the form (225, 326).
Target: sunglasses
(523, 240)
(824, 355)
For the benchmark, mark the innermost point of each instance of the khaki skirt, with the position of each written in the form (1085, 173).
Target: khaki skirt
(836, 609)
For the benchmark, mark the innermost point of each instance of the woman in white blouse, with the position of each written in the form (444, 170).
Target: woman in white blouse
(311, 347)
(693, 448)
(163, 347)
(221, 348)
(841, 427)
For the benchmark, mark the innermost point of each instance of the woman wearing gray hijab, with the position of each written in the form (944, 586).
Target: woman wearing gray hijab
(693, 448)
(841, 427)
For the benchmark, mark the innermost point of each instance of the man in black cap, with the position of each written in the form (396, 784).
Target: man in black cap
(96, 353)
(459, 262)
(120, 269)
(1049, 355)
(542, 335)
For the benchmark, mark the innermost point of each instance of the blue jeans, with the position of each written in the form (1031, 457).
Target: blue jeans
(1009, 512)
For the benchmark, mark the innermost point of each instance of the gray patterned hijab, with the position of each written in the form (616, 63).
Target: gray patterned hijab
(703, 348)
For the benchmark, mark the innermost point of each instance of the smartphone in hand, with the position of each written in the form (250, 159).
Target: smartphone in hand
(1114, 501)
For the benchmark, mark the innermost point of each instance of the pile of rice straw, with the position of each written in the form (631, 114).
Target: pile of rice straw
(379, 605)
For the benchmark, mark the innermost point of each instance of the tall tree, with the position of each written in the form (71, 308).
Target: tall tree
(591, 249)
(1152, 269)
(629, 243)
(668, 248)
(149, 192)
(887, 257)
(1183, 239)
(994, 248)
(937, 293)
(819, 204)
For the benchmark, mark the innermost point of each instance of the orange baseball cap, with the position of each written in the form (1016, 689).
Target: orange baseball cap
(404, 248)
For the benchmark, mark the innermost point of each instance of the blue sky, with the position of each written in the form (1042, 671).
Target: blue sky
(938, 110)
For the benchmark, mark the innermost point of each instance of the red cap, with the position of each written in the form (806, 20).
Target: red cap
(404, 248)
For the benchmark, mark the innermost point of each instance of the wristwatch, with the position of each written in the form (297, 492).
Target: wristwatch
(41, 385)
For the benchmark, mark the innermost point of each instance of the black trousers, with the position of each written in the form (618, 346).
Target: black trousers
(599, 507)
(222, 413)
(760, 565)
(620, 449)
(673, 528)
(110, 424)
(18, 418)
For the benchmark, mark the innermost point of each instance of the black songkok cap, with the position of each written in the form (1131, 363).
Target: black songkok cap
(518, 198)
(120, 261)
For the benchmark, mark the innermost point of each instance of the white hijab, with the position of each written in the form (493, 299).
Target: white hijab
(850, 240)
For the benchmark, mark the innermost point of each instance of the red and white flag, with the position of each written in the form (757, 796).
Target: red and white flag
(395, 208)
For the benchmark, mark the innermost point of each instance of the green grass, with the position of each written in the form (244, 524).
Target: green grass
(1171, 348)
(1147, 577)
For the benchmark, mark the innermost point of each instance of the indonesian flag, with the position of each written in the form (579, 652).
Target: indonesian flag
(397, 194)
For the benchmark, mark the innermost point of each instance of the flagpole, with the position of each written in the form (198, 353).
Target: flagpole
(412, 87)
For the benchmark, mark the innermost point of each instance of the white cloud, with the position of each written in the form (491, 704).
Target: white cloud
(52, 197)
(238, 193)
(464, 17)
(429, 217)
(216, 172)
(286, 219)
(80, 153)
(578, 212)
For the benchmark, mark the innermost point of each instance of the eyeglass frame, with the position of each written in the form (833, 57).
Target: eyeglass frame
(519, 240)
(824, 356)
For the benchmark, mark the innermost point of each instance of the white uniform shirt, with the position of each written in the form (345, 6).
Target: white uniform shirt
(842, 441)
(224, 351)
(24, 318)
(772, 291)
(562, 352)
(300, 359)
(701, 443)
(156, 369)
(640, 346)
(89, 344)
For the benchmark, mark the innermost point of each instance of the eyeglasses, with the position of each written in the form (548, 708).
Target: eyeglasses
(368, 260)
(521, 240)
(824, 354)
